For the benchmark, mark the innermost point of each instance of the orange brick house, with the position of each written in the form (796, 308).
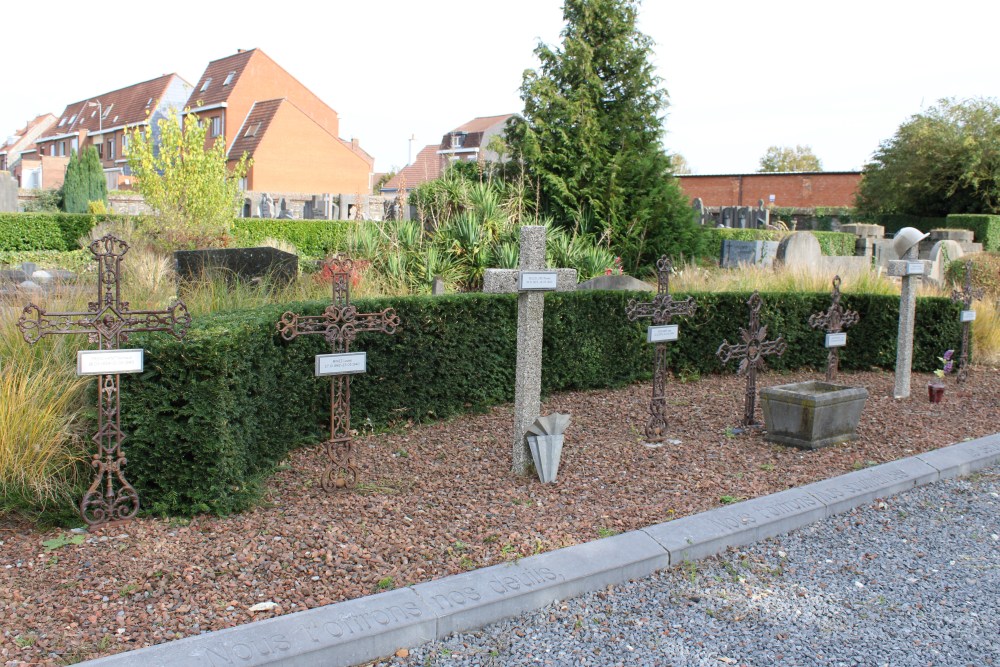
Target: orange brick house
(104, 121)
(22, 143)
(256, 107)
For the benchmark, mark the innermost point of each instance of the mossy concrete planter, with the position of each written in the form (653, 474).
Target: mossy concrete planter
(812, 414)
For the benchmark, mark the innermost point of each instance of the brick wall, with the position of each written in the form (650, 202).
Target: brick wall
(798, 190)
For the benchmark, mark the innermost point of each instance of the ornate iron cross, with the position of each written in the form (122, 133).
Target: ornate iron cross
(108, 322)
(835, 319)
(754, 348)
(966, 297)
(339, 324)
(659, 310)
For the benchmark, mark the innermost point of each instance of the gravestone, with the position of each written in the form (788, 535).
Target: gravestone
(622, 283)
(699, 210)
(437, 286)
(800, 250)
(756, 253)
(727, 216)
(8, 193)
(530, 282)
(943, 253)
(266, 206)
(237, 265)
(911, 270)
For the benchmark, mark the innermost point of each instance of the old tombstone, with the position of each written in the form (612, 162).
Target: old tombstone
(941, 255)
(727, 216)
(237, 265)
(800, 250)
(659, 311)
(751, 352)
(910, 269)
(965, 297)
(834, 320)
(757, 253)
(743, 217)
(8, 193)
(437, 286)
(699, 210)
(339, 325)
(266, 206)
(530, 282)
(107, 322)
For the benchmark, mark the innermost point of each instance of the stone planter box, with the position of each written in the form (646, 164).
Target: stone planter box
(812, 414)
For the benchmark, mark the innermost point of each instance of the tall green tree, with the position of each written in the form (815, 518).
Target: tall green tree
(943, 160)
(189, 186)
(84, 181)
(590, 136)
(786, 158)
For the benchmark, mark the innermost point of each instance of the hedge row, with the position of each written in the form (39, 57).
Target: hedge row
(313, 238)
(210, 417)
(896, 221)
(831, 243)
(45, 231)
(985, 227)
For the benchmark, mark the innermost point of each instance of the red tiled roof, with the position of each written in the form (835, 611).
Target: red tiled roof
(483, 123)
(365, 155)
(425, 168)
(253, 128)
(11, 143)
(216, 74)
(125, 106)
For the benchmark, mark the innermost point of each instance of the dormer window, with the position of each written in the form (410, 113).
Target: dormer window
(229, 78)
(457, 139)
(205, 85)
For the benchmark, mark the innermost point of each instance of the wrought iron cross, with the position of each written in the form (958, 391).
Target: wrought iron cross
(754, 348)
(108, 322)
(835, 319)
(966, 297)
(339, 324)
(659, 310)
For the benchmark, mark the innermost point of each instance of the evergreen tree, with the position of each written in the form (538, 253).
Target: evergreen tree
(590, 136)
(97, 185)
(84, 181)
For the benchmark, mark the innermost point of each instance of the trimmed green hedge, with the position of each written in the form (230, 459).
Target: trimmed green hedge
(831, 243)
(314, 238)
(896, 221)
(985, 227)
(45, 231)
(210, 418)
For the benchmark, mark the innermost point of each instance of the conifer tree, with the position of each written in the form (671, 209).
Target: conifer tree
(590, 136)
(84, 181)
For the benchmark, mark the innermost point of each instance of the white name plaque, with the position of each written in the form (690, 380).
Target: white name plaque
(836, 340)
(968, 316)
(346, 363)
(538, 280)
(914, 268)
(109, 362)
(661, 334)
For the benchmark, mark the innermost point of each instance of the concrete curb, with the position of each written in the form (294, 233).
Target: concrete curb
(361, 630)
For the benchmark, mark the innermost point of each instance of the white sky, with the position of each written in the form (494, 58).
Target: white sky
(742, 76)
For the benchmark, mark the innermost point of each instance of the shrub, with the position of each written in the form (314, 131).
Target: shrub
(985, 273)
(211, 417)
(45, 231)
(312, 238)
(830, 243)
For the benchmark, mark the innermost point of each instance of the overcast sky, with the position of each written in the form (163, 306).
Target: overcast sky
(742, 76)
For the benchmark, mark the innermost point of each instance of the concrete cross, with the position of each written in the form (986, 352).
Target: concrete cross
(911, 270)
(966, 297)
(659, 311)
(754, 348)
(107, 322)
(835, 319)
(530, 282)
(339, 324)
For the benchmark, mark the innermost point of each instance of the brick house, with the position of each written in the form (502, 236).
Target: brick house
(104, 121)
(426, 167)
(256, 107)
(21, 143)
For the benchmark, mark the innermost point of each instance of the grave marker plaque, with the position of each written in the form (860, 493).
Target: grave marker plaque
(835, 320)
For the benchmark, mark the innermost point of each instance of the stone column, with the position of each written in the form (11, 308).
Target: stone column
(904, 336)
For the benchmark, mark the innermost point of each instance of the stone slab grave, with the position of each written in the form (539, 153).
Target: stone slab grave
(249, 265)
(530, 283)
(366, 629)
(757, 253)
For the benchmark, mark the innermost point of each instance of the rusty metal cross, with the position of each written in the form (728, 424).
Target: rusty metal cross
(754, 348)
(835, 319)
(108, 322)
(659, 311)
(339, 325)
(966, 296)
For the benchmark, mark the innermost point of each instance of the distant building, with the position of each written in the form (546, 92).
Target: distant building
(803, 190)
(426, 167)
(258, 108)
(23, 141)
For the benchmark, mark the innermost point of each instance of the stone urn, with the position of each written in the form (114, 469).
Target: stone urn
(812, 414)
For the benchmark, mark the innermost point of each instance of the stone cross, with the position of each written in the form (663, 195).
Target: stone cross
(911, 270)
(754, 348)
(530, 307)
(835, 319)
(107, 322)
(339, 324)
(660, 310)
(966, 297)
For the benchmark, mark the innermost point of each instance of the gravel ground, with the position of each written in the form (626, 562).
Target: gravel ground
(436, 499)
(908, 580)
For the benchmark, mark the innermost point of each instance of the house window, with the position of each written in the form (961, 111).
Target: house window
(149, 103)
(107, 110)
(229, 78)
(216, 126)
(111, 148)
(74, 144)
(457, 140)
(252, 130)
(62, 149)
(72, 119)
(125, 139)
(100, 151)
(205, 85)
(62, 121)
